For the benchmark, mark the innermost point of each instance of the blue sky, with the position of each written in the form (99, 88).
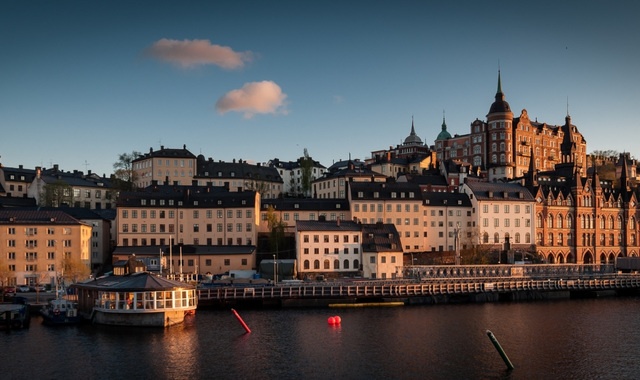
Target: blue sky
(83, 81)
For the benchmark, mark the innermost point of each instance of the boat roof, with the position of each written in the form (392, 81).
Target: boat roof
(136, 282)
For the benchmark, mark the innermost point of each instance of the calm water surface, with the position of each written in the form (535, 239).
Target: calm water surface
(577, 339)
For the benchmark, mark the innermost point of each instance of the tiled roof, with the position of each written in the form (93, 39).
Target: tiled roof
(385, 190)
(236, 170)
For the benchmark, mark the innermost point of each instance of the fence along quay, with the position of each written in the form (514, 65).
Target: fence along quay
(438, 284)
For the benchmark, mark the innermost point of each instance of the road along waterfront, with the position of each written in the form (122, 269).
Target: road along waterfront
(577, 339)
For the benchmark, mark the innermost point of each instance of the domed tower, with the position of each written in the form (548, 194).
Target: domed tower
(500, 137)
(443, 135)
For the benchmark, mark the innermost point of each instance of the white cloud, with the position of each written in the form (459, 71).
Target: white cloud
(190, 53)
(254, 98)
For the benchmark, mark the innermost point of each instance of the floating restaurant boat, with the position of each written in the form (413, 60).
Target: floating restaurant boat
(137, 299)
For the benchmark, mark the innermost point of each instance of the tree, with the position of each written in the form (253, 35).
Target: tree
(276, 230)
(73, 269)
(124, 175)
(306, 164)
(56, 194)
(4, 275)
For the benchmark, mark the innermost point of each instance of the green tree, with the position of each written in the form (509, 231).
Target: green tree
(56, 194)
(124, 175)
(306, 164)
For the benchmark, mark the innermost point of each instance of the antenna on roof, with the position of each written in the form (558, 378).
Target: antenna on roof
(86, 165)
(567, 105)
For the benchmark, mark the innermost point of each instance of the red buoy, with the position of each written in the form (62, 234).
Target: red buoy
(331, 320)
(337, 319)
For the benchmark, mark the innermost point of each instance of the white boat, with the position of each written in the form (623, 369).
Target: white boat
(60, 311)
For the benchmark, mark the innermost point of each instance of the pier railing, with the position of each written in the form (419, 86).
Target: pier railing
(461, 281)
(428, 272)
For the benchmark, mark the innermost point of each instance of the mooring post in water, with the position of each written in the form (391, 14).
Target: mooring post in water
(496, 344)
(244, 325)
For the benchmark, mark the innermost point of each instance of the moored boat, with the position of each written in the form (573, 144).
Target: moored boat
(60, 311)
(14, 316)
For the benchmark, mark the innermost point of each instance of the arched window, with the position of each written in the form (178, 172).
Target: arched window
(485, 238)
(569, 221)
(316, 264)
(336, 264)
(539, 221)
(527, 238)
(550, 238)
(494, 158)
(602, 222)
(550, 225)
(560, 239)
(619, 223)
(327, 264)
(306, 264)
(346, 264)
(496, 238)
(517, 237)
(356, 264)
(632, 223)
(560, 221)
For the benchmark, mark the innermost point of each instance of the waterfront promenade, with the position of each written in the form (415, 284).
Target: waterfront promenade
(437, 284)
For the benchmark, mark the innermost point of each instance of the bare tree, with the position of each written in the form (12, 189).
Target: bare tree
(124, 175)
(73, 269)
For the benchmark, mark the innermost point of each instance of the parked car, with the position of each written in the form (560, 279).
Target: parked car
(9, 291)
(23, 289)
(38, 288)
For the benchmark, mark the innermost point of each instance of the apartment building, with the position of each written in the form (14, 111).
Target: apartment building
(35, 244)
(502, 212)
(78, 189)
(328, 248)
(292, 174)
(240, 176)
(164, 165)
(190, 215)
(446, 214)
(333, 184)
(14, 182)
(381, 251)
(391, 203)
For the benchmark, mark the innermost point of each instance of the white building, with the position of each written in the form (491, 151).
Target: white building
(503, 212)
(329, 248)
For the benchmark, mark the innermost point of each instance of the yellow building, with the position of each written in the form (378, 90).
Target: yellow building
(35, 244)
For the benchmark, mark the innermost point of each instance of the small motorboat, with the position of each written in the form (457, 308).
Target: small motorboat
(60, 311)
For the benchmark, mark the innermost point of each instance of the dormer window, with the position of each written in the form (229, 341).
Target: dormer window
(360, 194)
(233, 174)
(219, 174)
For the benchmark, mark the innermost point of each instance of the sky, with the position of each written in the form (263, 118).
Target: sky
(83, 81)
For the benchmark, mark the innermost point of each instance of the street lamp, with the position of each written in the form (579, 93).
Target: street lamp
(275, 271)
(170, 255)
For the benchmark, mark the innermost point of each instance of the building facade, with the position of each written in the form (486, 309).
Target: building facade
(35, 245)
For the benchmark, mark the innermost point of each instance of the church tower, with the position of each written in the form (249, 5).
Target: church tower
(500, 137)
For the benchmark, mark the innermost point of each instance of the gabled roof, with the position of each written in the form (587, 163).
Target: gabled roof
(18, 174)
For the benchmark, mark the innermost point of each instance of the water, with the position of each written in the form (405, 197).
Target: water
(577, 339)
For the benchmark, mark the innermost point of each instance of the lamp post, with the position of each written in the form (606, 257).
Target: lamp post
(275, 270)
(170, 255)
